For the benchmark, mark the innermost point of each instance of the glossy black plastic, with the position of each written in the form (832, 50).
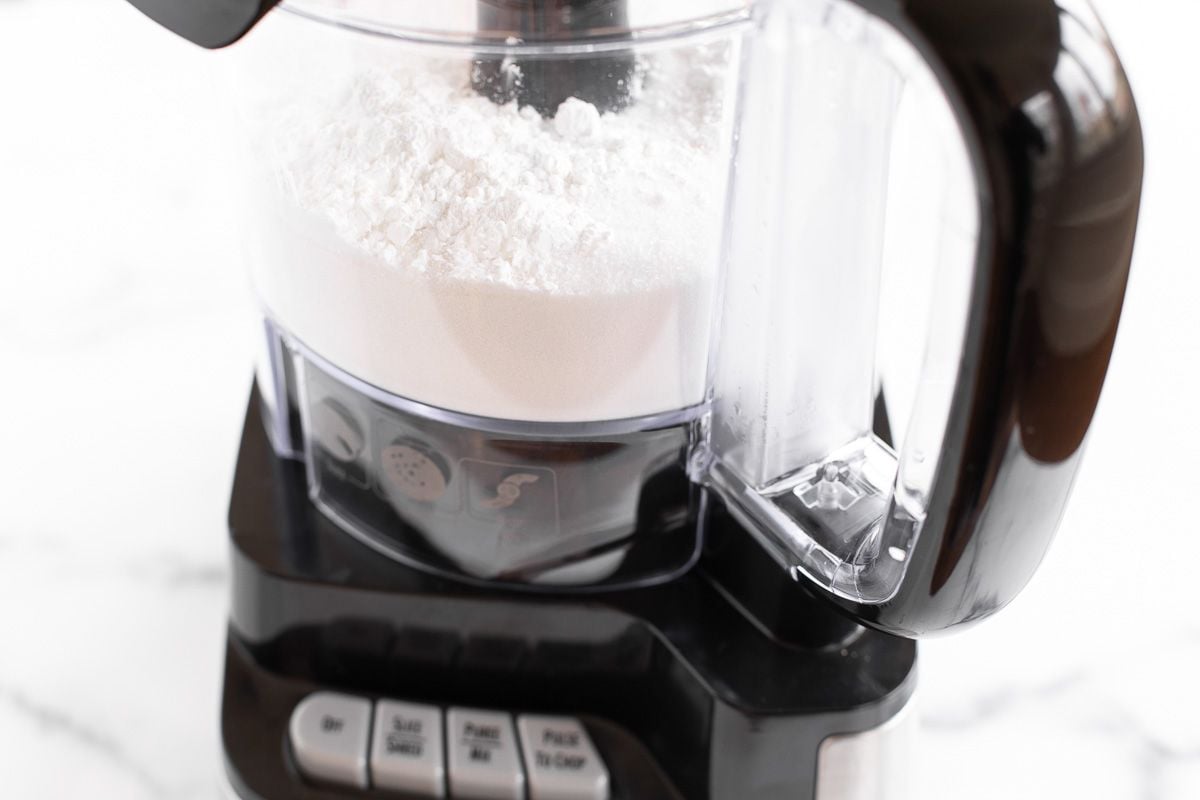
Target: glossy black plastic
(208, 23)
(256, 705)
(694, 681)
(1060, 147)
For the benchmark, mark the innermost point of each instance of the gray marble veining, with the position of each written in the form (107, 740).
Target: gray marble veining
(125, 340)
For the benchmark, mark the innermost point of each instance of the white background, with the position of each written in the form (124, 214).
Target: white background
(125, 349)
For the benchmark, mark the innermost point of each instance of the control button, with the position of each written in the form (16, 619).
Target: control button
(406, 749)
(560, 760)
(511, 491)
(334, 428)
(484, 764)
(330, 734)
(415, 471)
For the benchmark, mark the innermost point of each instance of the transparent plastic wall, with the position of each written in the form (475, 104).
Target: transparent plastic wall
(851, 245)
(523, 230)
(485, 501)
(487, 264)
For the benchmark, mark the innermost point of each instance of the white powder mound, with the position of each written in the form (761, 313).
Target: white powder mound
(482, 259)
(418, 170)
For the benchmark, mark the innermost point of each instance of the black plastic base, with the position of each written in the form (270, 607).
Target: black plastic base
(257, 704)
(721, 684)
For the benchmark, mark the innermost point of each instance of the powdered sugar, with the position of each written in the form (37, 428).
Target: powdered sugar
(480, 258)
(577, 120)
(421, 172)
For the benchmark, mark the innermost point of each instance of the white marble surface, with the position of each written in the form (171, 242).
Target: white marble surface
(125, 347)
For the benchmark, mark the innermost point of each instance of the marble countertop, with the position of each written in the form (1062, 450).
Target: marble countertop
(125, 340)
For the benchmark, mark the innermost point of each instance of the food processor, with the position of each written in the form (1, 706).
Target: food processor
(639, 379)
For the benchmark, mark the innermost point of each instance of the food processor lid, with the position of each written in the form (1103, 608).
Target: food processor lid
(507, 22)
(516, 21)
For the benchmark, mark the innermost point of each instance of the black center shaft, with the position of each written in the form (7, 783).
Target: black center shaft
(545, 81)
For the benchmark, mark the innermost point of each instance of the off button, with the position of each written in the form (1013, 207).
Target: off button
(560, 760)
(329, 734)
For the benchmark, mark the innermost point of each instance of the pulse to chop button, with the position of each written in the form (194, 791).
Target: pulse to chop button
(330, 734)
(560, 760)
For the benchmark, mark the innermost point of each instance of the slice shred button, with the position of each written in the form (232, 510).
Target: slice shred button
(406, 749)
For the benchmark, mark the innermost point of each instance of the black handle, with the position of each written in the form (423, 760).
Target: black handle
(1055, 134)
(208, 23)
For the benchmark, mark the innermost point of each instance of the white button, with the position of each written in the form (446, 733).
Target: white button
(560, 760)
(330, 734)
(484, 764)
(406, 749)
